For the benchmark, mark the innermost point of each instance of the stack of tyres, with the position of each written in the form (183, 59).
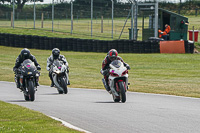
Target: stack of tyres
(46, 43)
(80, 46)
(69, 44)
(93, 43)
(11, 40)
(53, 43)
(1, 38)
(191, 47)
(147, 46)
(28, 41)
(6, 40)
(186, 46)
(142, 46)
(86, 45)
(35, 42)
(154, 47)
(90, 45)
(59, 43)
(16, 41)
(104, 46)
(41, 42)
(126, 46)
(110, 44)
(115, 45)
(136, 47)
(99, 46)
(64, 44)
(74, 42)
(22, 41)
(121, 46)
(130, 46)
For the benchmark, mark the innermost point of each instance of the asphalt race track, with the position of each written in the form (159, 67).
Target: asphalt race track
(95, 111)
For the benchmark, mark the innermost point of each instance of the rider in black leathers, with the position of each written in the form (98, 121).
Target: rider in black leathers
(24, 54)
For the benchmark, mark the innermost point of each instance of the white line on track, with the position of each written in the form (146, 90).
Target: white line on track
(69, 125)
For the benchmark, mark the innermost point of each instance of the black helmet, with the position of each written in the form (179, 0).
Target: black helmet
(25, 54)
(112, 54)
(55, 53)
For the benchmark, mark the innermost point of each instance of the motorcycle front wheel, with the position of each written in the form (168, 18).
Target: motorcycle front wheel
(122, 92)
(31, 90)
(64, 85)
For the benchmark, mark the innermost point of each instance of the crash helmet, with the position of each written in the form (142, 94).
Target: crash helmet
(55, 53)
(112, 54)
(25, 54)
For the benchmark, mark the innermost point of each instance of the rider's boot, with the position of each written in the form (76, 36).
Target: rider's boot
(52, 84)
(108, 88)
(68, 83)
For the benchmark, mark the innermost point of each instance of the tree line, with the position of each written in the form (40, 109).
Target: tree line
(183, 4)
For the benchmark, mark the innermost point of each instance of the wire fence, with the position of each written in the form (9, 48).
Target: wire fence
(85, 21)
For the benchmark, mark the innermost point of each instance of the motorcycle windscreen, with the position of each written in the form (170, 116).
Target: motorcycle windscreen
(29, 64)
(57, 63)
(116, 63)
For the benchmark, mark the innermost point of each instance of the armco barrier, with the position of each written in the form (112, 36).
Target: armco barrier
(84, 45)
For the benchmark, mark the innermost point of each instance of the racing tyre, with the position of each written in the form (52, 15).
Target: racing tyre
(64, 85)
(122, 92)
(31, 90)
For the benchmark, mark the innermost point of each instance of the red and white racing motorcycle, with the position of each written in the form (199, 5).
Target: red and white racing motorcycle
(118, 80)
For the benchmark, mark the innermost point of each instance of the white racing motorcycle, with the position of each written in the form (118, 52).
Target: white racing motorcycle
(60, 76)
(118, 80)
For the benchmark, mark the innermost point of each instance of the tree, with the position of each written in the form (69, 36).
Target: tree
(20, 3)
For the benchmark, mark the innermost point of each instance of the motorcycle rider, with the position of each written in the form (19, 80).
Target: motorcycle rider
(24, 54)
(111, 56)
(55, 55)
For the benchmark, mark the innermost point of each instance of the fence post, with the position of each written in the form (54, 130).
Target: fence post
(101, 24)
(13, 14)
(193, 33)
(71, 16)
(112, 16)
(34, 14)
(91, 15)
(156, 19)
(52, 13)
(11, 19)
(42, 20)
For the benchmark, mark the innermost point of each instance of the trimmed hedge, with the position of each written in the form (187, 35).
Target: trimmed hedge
(84, 45)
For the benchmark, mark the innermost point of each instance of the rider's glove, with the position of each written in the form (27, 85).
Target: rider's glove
(15, 70)
(161, 32)
(38, 67)
(128, 67)
(106, 72)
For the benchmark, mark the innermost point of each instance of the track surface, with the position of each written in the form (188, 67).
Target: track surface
(95, 111)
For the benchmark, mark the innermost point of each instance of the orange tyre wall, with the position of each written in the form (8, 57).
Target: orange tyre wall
(172, 47)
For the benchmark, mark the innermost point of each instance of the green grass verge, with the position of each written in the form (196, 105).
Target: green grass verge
(174, 74)
(15, 119)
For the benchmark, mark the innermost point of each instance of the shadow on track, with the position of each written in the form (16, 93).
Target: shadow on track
(50, 94)
(16, 101)
(105, 102)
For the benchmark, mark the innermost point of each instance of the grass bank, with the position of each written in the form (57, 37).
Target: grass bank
(174, 74)
(15, 119)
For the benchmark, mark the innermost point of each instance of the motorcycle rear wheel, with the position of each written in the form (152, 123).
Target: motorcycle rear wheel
(122, 92)
(64, 85)
(31, 90)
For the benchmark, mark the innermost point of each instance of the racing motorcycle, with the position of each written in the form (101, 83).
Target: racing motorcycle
(60, 76)
(117, 80)
(28, 79)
